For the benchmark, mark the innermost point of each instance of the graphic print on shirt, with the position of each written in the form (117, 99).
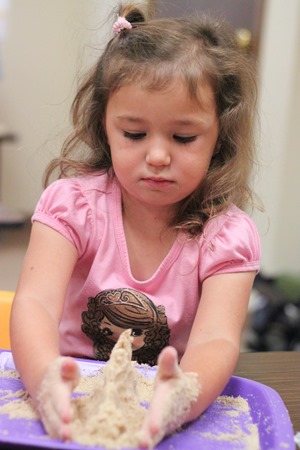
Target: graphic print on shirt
(112, 311)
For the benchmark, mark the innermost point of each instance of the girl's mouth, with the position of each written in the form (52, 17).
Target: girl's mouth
(157, 182)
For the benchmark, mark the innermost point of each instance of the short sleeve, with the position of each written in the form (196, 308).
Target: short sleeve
(230, 243)
(64, 207)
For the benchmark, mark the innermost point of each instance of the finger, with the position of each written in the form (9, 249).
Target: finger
(56, 428)
(57, 411)
(168, 363)
(57, 420)
(70, 371)
(51, 421)
(65, 432)
(63, 405)
(148, 433)
(144, 441)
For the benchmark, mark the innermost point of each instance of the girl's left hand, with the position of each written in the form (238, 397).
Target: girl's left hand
(174, 393)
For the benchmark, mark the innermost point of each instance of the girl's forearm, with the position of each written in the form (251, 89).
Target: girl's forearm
(34, 341)
(214, 363)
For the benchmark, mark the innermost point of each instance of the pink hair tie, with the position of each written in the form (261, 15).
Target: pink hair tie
(121, 24)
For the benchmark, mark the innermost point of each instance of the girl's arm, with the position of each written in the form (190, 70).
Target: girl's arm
(35, 317)
(214, 343)
(212, 353)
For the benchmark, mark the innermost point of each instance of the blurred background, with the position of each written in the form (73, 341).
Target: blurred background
(44, 48)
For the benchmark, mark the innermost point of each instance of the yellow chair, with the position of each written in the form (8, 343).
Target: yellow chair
(6, 298)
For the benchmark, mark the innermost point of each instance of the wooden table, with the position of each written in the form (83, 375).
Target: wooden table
(278, 370)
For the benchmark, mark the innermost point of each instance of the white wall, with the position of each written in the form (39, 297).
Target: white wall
(280, 137)
(49, 41)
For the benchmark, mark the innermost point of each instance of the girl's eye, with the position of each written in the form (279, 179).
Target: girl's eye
(184, 139)
(134, 136)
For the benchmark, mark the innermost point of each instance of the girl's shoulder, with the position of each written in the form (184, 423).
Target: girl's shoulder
(233, 219)
(71, 193)
(230, 243)
(100, 182)
(75, 207)
(76, 197)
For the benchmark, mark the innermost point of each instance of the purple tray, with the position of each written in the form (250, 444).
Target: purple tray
(267, 411)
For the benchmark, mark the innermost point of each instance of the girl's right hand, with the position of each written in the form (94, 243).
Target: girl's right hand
(53, 400)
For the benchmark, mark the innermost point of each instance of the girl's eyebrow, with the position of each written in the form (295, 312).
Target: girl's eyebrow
(130, 118)
(189, 122)
(185, 122)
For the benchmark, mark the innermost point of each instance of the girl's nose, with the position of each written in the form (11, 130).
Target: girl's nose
(158, 155)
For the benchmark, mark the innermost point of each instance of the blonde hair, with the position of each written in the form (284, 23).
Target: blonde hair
(153, 52)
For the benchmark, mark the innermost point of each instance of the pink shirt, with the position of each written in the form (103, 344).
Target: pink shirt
(103, 296)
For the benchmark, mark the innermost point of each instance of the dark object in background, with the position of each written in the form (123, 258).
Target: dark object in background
(274, 323)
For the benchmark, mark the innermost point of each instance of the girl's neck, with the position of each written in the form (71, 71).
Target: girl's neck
(149, 237)
(151, 221)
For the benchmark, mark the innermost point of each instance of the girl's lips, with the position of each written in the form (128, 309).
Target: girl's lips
(157, 182)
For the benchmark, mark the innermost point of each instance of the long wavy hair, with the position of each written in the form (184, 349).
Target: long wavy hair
(155, 51)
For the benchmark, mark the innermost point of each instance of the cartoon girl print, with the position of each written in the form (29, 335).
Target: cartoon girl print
(114, 310)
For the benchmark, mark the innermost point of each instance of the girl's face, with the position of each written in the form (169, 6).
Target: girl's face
(161, 142)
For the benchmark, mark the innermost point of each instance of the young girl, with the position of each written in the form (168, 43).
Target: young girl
(147, 213)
